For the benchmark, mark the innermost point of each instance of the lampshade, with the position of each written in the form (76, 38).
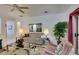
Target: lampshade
(21, 31)
(46, 31)
(26, 30)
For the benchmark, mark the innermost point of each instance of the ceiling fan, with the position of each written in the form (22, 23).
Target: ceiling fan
(19, 8)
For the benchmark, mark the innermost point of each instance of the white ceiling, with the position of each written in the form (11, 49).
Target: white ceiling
(34, 9)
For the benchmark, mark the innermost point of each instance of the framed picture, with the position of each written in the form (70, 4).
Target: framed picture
(10, 27)
(36, 27)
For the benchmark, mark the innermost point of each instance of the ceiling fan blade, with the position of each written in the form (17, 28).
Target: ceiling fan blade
(12, 9)
(24, 7)
(15, 5)
(20, 10)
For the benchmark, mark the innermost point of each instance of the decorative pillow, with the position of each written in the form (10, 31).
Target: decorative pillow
(58, 49)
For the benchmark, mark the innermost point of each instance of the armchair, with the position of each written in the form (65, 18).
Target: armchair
(50, 50)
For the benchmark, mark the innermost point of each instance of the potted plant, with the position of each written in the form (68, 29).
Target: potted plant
(59, 30)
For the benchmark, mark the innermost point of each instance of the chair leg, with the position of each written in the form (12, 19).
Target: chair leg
(7, 48)
(28, 52)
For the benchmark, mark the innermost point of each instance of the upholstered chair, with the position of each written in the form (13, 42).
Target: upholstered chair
(50, 50)
(66, 48)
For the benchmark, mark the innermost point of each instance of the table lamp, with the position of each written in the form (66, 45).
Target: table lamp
(26, 32)
(21, 31)
(46, 32)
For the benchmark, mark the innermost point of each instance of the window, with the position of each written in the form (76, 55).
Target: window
(37, 27)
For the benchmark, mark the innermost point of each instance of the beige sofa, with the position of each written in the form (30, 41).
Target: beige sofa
(33, 39)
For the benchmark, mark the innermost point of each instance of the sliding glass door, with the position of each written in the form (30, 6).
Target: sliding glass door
(76, 39)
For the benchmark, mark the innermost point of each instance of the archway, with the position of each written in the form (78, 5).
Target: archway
(70, 28)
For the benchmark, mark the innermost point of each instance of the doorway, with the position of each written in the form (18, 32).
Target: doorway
(74, 37)
(10, 32)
